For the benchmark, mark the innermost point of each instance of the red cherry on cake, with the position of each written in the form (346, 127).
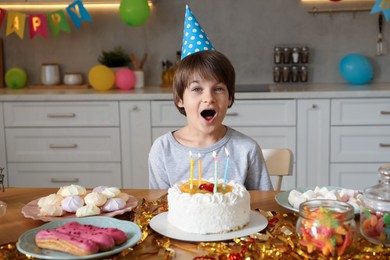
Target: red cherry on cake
(208, 187)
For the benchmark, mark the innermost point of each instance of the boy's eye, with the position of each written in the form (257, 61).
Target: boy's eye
(219, 89)
(196, 89)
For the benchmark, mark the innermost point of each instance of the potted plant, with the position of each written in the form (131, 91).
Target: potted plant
(114, 58)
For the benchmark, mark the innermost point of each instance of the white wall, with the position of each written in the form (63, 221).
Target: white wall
(246, 31)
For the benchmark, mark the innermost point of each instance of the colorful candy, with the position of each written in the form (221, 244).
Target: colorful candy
(375, 226)
(328, 231)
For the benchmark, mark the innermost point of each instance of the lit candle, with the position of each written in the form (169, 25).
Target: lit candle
(199, 169)
(216, 171)
(191, 171)
(226, 168)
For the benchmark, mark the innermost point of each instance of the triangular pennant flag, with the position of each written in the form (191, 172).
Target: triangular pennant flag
(3, 12)
(78, 13)
(194, 38)
(58, 22)
(38, 25)
(382, 6)
(15, 23)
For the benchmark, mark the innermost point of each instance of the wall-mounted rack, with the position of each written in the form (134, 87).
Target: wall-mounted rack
(316, 10)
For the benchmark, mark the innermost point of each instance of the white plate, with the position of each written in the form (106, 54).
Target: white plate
(26, 243)
(282, 197)
(31, 210)
(161, 225)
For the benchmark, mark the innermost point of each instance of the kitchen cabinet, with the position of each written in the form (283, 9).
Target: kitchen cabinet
(272, 123)
(135, 143)
(313, 129)
(52, 144)
(3, 159)
(360, 141)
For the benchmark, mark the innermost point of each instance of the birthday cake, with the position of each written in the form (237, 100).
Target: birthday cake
(200, 210)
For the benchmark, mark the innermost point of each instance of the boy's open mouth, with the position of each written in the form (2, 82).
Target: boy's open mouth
(208, 114)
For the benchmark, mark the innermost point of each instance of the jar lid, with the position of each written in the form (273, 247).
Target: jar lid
(378, 196)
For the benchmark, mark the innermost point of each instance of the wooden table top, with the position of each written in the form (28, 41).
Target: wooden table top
(13, 224)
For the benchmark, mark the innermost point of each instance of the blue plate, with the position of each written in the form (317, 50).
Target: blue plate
(26, 243)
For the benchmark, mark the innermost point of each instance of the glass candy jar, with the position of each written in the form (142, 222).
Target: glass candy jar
(326, 226)
(375, 210)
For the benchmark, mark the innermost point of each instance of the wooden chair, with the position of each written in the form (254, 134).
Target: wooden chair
(279, 163)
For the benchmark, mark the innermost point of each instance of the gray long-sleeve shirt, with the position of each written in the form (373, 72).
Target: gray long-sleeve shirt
(169, 161)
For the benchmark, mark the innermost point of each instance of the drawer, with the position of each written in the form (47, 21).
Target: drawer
(53, 175)
(356, 176)
(361, 111)
(242, 113)
(63, 144)
(61, 114)
(360, 144)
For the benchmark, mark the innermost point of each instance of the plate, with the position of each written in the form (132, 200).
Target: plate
(161, 225)
(26, 243)
(282, 197)
(31, 210)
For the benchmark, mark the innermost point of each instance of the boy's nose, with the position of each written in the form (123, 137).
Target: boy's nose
(208, 97)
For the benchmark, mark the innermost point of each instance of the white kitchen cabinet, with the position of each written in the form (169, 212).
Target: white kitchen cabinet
(135, 143)
(272, 123)
(360, 141)
(52, 144)
(313, 127)
(3, 159)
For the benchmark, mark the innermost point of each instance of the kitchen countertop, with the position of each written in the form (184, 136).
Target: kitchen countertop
(290, 91)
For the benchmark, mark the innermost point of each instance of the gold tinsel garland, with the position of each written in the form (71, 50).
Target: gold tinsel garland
(277, 241)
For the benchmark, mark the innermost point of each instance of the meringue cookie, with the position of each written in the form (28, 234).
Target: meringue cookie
(123, 196)
(95, 198)
(99, 189)
(111, 192)
(87, 210)
(72, 190)
(51, 210)
(113, 204)
(52, 199)
(72, 203)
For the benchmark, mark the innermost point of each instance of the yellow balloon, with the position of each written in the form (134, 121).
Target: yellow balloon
(101, 77)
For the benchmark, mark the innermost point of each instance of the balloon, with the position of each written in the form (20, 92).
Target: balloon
(125, 78)
(134, 12)
(101, 77)
(356, 69)
(16, 78)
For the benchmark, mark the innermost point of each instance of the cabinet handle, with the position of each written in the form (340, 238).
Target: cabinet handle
(385, 112)
(61, 115)
(384, 145)
(73, 180)
(232, 114)
(55, 146)
(314, 106)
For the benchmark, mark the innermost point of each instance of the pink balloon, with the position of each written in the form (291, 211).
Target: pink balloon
(125, 78)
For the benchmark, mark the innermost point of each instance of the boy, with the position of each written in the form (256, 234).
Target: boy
(204, 85)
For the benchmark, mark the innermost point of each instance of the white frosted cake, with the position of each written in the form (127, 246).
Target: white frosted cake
(201, 211)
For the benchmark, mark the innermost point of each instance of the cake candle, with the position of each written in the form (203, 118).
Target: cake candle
(226, 168)
(216, 172)
(191, 171)
(199, 169)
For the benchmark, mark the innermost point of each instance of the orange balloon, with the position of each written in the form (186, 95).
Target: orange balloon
(101, 77)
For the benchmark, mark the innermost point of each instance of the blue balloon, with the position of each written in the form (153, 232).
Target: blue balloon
(356, 69)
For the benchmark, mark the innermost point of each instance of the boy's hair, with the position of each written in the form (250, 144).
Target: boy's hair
(208, 65)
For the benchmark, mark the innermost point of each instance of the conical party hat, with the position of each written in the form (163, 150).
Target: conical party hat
(194, 38)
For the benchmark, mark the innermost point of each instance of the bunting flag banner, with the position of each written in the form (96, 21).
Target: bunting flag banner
(382, 6)
(3, 12)
(78, 13)
(15, 23)
(58, 22)
(37, 24)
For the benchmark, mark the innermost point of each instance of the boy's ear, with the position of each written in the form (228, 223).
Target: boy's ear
(179, 103)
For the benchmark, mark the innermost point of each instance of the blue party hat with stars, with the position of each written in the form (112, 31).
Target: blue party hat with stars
(194, 38)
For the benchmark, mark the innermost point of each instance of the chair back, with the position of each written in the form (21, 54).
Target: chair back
(279, 163)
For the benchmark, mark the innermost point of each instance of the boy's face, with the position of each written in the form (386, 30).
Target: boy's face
(205, 103)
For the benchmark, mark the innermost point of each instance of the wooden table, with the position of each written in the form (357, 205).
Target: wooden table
(13, 224)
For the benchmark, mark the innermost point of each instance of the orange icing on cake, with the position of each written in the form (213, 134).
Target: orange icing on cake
(186, 187)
